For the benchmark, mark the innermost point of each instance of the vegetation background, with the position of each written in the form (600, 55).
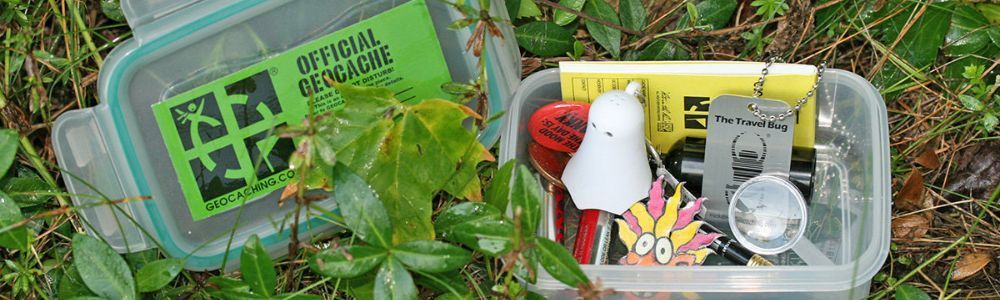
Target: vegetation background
(935, 63)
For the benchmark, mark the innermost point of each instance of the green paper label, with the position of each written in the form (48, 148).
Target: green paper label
(219, 136)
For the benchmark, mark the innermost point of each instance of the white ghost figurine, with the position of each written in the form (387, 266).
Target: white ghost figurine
(610, 171)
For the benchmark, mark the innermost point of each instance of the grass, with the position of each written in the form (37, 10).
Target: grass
(52, 50)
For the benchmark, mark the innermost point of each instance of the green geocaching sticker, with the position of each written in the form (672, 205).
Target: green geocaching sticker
(219, 136)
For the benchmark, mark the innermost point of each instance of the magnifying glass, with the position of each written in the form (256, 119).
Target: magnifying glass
(767, 214)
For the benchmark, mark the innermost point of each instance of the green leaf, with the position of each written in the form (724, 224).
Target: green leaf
(16, 238)
(156, 275)
(49, 58)
(919, 47)
(223, 287)
(465, 183)
(477, 225)
(334, 263)
(394, 282)
(969, 31)
(609, 38)
(716, 13)
(991, 11)
(299, 297)
(27, 190)
(363, 212)
(528, 9)
(563, 17)
(257, 267)
(102, 269)
(632, 14)
(558, 262)
(450, 283)
(498, 193)
(8, 147)
(71, 284)
(990, 121)
(909, 292)
(578, 49)
(663, 50)
(431, 256)
(406, 152)
(970, 102)
(513, 7)
(544, 38)
(526, 197)
(113, 10)
(137, 260)
(362, 287)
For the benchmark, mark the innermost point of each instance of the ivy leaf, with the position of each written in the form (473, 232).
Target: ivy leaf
(477, 225)
(969, 31)
(406, 152)
(431, 256)
(8, 147)
(544, 38)
(558, 262)
(15, 238)
(609, 38)
(257, 267)
(663, 50)
(334, 263)
(716, 13)
(156, 275)
(102, 269)
(562, 17)
(394, 282)
(632, 13)
(970, 102)
(363, 212)
(498, 193)
(526, 197)
(909, 292)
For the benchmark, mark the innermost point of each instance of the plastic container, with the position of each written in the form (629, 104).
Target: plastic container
(116, 150)
(846, 240)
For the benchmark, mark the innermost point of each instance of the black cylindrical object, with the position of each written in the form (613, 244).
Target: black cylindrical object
(686, 160)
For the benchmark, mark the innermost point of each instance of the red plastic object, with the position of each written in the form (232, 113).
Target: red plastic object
(560, 126)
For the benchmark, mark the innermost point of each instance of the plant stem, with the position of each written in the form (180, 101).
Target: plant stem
(85, 32)
(29, 149)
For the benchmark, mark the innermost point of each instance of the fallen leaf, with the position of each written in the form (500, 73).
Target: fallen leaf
(911, 227)
(977, 170)
(909, 197)
(928, 158)
(970, 264)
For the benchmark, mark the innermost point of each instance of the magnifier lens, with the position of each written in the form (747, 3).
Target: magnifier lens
(767, 214)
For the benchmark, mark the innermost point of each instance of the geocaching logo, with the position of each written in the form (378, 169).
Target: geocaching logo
(228, 145)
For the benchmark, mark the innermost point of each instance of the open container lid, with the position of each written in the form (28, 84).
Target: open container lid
(191, 76)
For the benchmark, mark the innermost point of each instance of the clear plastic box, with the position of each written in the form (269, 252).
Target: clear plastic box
(847, 239)
(116, 150)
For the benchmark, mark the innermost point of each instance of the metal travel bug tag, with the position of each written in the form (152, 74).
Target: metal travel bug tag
(741, 146)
